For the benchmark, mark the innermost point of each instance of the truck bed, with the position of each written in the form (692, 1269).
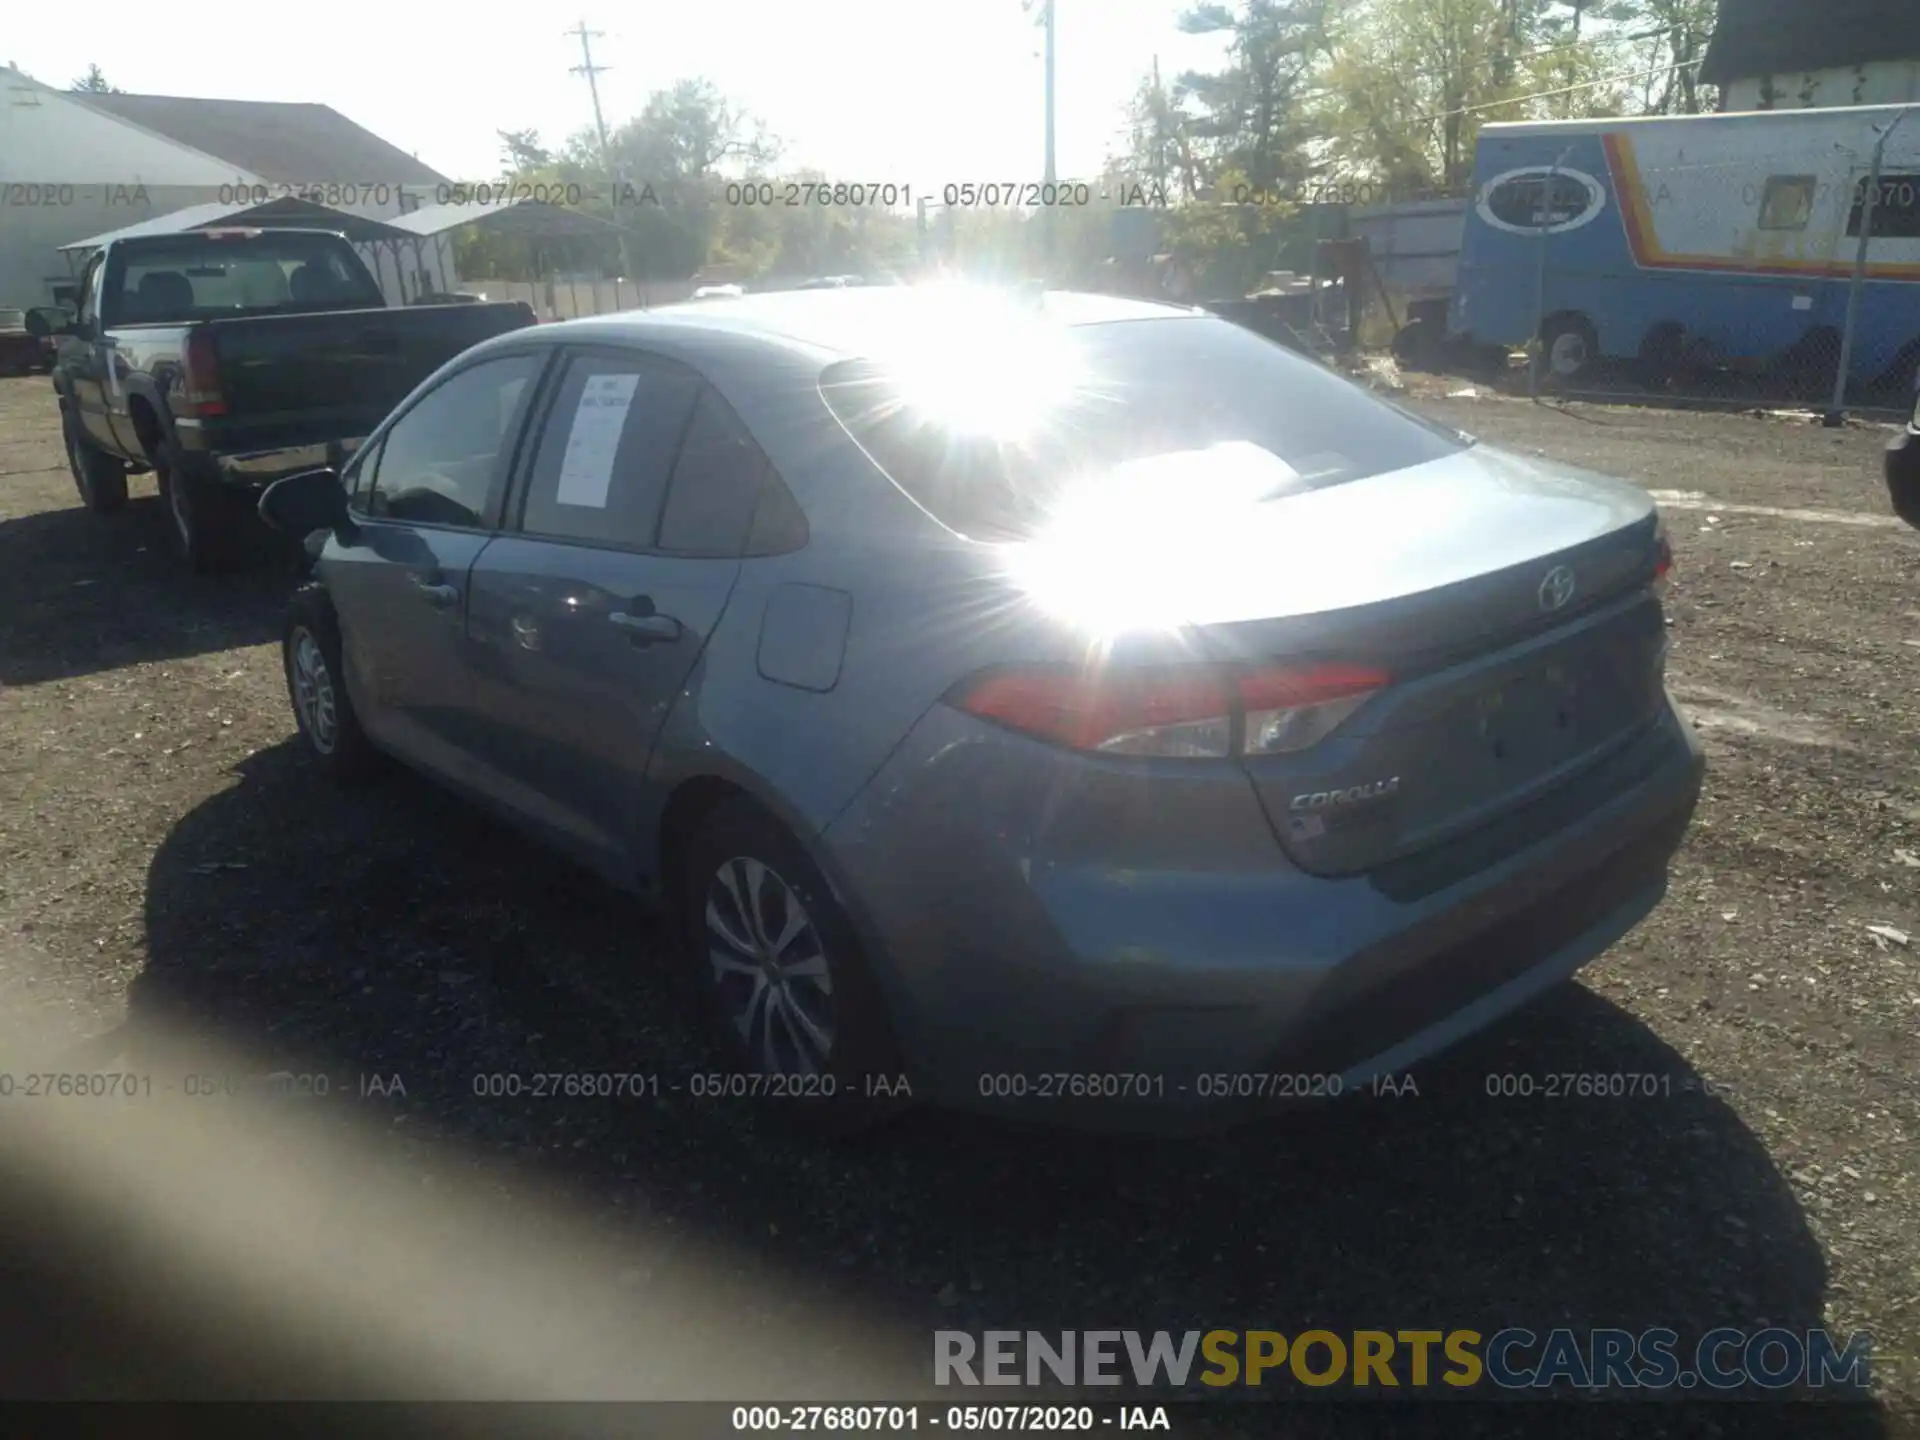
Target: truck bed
(298, 378)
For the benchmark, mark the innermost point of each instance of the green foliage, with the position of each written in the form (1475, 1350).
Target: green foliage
(95, 83)
(1389, 94)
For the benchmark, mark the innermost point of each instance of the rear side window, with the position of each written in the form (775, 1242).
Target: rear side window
(717, 484)
(607, 449)
(1175, 406)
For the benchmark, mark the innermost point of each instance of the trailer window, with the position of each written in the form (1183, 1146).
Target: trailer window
(1787, 203)
(1896, 208)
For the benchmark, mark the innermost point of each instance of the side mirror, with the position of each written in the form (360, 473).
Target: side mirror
(300, 504)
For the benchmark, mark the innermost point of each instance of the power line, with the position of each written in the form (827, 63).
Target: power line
(1563, 90)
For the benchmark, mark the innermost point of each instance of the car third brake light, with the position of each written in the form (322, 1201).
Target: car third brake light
(1178, 712)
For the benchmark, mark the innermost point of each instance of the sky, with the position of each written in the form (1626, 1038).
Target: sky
(907, 92)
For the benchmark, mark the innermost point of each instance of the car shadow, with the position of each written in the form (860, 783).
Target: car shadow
(389, 931)
(83, 593)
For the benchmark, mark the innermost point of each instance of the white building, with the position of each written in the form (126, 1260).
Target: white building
(1805, 54)
(75, 165)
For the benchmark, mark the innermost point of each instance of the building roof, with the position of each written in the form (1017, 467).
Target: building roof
(288, 213)
(1792, 37)
(533, 219)
(285, 142)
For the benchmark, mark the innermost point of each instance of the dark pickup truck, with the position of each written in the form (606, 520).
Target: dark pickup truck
(224, 359)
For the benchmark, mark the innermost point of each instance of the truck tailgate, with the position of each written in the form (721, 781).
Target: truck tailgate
(337, 374)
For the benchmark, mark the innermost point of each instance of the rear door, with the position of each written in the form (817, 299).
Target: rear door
(587, 621)
(427, 498)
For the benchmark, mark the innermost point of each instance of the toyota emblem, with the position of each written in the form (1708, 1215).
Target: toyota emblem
(1556, 588)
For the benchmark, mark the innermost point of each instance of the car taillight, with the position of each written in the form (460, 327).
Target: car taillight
(1185, 712)
(1294, 709)
(200, 384)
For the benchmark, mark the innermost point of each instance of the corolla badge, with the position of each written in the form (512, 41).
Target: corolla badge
(1540, 198)
(1556, 588)
(1352, 795)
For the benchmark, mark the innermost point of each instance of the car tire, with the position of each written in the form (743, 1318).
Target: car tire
(100, 479)
(771, 1031)
(316, 687)
(205, 522)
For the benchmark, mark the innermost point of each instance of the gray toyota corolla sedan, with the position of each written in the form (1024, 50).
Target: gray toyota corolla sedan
(1068, 703)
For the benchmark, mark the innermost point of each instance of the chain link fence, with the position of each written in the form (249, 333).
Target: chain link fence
(1788, 279)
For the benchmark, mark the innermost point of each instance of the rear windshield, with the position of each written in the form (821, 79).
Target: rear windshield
(1166, 409)
(208, 277)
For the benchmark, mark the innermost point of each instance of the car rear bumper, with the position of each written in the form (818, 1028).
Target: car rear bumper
(1030, 965)
(1903, 476)
(256, 468)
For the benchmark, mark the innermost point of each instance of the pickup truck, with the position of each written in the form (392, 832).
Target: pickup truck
(223, 359)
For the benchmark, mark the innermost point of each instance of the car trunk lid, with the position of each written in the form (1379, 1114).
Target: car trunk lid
(1507, 599)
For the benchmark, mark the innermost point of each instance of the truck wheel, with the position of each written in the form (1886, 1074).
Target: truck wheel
(317, 687)
(100, 479)
(203, 520)
(1569, 348)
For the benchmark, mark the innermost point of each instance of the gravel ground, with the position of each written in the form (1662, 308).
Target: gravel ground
(168, 865)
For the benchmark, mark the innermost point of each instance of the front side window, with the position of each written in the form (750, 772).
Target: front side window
(444, 461)
(90, 291)
(359, 471)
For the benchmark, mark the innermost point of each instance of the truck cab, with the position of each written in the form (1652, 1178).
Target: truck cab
(224, 359)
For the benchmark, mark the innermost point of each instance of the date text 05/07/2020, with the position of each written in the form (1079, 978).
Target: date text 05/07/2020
(880, 1419)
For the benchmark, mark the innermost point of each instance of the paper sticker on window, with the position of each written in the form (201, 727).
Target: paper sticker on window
(594, 442)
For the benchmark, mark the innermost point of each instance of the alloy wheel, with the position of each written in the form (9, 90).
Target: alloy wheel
(769, 968)
(313, 692)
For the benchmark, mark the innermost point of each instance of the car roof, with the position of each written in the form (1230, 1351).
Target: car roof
(853, 321)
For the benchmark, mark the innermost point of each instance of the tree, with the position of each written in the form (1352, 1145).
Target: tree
(95, 83)
(1681, 29)
(521, 151)
(689, 132)
(1248, 116)
(1159, 143)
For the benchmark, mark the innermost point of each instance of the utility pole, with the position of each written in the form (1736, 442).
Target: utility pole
(1052, 174)
(591, 71)
(1836, 415)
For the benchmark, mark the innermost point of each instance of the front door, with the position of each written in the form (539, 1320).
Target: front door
(426, 501)
(587, 623)
(85, 355)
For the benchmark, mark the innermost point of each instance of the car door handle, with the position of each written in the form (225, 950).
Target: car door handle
(440, 596)
(646, 628)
